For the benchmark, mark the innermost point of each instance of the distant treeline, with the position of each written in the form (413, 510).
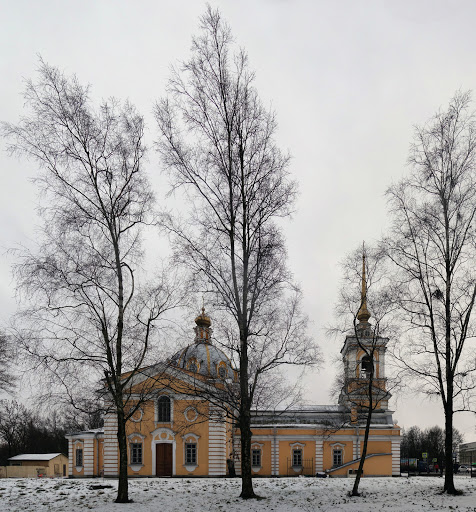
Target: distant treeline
(415, 442)
(23, 431)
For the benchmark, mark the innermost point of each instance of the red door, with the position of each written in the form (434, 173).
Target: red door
(163, 459)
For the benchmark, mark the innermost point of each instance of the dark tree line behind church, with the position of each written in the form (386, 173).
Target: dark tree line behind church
(416, 441)
(24, 431)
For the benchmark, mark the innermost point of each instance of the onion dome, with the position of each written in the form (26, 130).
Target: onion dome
(203, 319)
(201, 356)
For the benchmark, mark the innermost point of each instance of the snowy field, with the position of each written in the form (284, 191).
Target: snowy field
(281, 495)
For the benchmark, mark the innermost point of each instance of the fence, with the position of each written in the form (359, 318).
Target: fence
(307, 468)
(25, 472)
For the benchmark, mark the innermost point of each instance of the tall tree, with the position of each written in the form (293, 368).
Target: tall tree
(217, 141)
(87, 317)
(432, 245)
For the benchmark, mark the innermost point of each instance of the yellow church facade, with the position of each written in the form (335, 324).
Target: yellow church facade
(175, 432)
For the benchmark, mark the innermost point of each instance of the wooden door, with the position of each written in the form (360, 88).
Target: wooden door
(163, 459)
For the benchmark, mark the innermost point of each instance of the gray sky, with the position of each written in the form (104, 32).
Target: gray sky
(347, 79)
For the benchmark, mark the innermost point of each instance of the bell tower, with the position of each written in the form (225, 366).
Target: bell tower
(363, 355)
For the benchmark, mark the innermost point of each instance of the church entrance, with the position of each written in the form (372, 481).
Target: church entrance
(163, 459)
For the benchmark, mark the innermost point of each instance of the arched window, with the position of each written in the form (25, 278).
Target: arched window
(193, 365)
(222, 373)
(163, 409)
(366, 367)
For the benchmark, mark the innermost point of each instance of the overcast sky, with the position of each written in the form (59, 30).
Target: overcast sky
(348, 80)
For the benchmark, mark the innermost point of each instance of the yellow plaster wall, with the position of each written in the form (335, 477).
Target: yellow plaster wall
(265, 447)
(285, 454)
(46, 468)
(347, 454)
(375, 466)
(180, 427)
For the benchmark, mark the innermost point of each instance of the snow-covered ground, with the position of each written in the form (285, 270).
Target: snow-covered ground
(279, 494)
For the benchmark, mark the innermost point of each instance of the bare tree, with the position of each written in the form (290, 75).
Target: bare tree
(364, 388)
(14, 419)
(87, 315)
(7, 358)
(431, 440)
(217, 142)
(432, 244)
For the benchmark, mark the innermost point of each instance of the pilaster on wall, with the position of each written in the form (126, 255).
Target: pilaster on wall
(356, 444)
(319, 455)
(70, 457)
(274, 455)
(111, 449)
(216, 443)
(88, 457)
(396, 458)
(237, 454)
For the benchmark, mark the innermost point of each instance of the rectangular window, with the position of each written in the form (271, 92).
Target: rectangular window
(164, 409)
(297, 457)
(337, 458)
(79, 456)
(136, 453)
(191, 453)
(256, 458)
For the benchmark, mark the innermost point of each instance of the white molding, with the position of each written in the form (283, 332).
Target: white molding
(132, 436)
(170, 439)
(190, 409)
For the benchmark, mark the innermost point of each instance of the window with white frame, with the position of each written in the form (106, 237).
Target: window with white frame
(297, 457)
(337, 457)
(79, 456)
(191, 454)
(256, 457)
(163, 405)
(136, 453)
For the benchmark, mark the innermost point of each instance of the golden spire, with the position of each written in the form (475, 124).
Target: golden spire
(363, 315)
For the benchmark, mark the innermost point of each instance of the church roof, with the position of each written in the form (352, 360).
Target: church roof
(201, 356)
(313, 415)
(35, 456)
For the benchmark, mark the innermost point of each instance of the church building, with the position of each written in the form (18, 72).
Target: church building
(174, 432)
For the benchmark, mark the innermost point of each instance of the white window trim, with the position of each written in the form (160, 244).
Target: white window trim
(135, 437)
(156, 410)
(257, 446)
(190, 438)
(297, 446)
(79, 442)
(338, 446)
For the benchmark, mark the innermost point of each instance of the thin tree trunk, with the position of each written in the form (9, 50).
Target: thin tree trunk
(449, 486)
(355, 489)
(247, 491)
(123, 487)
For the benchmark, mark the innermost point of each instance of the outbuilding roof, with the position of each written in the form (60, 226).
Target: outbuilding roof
(35, 456)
